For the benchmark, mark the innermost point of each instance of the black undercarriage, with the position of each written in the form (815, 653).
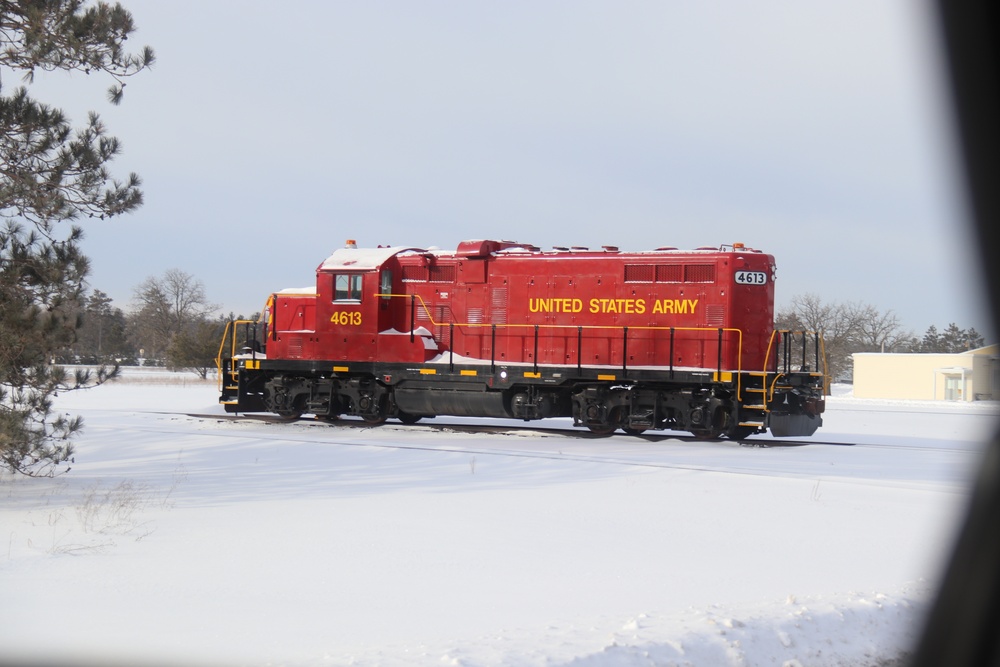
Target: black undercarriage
(708, 404)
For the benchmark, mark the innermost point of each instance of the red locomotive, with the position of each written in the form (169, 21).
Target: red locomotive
(661, 339)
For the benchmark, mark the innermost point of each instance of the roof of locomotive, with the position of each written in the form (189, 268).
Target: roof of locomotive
(361, 259)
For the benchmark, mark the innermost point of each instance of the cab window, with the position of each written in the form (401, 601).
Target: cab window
(347, 287)
(385, 284)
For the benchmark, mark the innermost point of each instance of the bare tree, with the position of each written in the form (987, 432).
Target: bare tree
(880, 331)
(807, 312)
(846, 327)
(164, 308)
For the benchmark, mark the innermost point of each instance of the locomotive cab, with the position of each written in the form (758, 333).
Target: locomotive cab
(359, 314)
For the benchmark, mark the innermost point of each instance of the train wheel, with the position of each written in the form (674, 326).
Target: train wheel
(290, 414)
(634, 431)
(374, 420)
(407, 418)
(706, 433)
(609, 427)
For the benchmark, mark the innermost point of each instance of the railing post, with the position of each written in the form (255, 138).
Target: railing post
(720, 352)
(451, 347)
(535, 359)
(413, 314)
(493, 348)
(671, 353)
(785, 346)
(274, 319)
(803, 350)
(579, 348)
(624, 351)
(816, 352)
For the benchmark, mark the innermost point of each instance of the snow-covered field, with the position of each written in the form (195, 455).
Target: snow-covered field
(182, 539)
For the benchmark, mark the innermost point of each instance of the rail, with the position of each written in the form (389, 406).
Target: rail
(784, 365)
(232, 339)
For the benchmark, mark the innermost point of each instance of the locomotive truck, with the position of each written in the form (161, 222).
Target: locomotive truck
(658, 339)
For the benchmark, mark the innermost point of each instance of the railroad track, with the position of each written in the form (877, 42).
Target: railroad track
(514, 429)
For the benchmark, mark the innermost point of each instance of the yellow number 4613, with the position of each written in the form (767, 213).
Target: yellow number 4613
(347, 318)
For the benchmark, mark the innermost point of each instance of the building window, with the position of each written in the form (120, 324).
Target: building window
(347, 287)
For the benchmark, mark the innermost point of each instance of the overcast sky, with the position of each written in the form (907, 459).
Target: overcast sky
(267, 135)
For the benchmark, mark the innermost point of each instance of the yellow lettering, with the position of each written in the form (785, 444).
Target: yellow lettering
(675, 306)
(555, 305)
(598, 306)
(346, 318)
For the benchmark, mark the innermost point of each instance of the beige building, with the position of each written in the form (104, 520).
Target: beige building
(969, 376)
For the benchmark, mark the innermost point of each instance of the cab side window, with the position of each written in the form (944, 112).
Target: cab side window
(347, 287)
(385, 283)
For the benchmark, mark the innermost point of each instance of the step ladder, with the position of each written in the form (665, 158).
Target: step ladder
(753, 411)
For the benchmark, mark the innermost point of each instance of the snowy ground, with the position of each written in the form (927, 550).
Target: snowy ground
(179, 539)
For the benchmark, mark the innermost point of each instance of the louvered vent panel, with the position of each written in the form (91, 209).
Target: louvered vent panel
(699, 273)
(412, 274)
(639, 273)
(442, 274)
(498, 305)
(669, 273)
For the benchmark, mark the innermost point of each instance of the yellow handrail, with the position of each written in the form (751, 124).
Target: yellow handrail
(234, 324)
(778, 375)
(483, 325)
(768, 391)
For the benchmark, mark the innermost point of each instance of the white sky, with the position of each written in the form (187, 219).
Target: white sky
(267, 136)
